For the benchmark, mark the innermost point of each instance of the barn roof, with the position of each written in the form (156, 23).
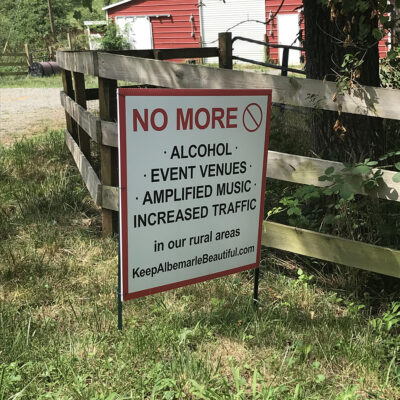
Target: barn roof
(116, 4)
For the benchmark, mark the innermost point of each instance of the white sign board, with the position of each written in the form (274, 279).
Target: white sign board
(192, 181)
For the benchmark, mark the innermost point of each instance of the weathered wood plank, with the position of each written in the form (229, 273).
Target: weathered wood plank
(78, 61)
(189, 52)
(109, 132)
(225, 50)
(312, 244)
(331, 248)
(69, 91)
(306, 170)
(110, 196)
(90, 178)
(310, 93)
(28, 54)
(80, 98)
(109, 155)
(84, 118)
(296, 169)
(144, 53)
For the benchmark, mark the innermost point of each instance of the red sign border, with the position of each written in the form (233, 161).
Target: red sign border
(123, 202)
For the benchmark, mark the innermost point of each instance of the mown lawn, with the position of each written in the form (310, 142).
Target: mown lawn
(319, 332)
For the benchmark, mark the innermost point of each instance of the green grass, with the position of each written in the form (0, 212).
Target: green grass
(311, 337)
(28, 81)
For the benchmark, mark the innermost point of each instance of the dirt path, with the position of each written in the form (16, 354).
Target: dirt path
(24, 112)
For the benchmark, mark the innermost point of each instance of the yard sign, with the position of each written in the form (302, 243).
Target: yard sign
(192, 178)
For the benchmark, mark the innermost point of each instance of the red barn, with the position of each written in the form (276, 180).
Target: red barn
(194, 23)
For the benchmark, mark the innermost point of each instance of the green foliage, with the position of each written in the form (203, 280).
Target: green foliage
(86, 13)
(349, 72)
(390, 69)
(361, 32)
(364, 10)
(27, 21)
(390, 320)
(113, 39)
(334, 208)
(303, 278)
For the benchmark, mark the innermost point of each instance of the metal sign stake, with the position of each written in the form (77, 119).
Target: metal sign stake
(119, 302)
(255, 291)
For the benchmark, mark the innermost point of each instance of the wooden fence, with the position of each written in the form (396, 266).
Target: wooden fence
(284, 68)
(145, 67)
(16, 63)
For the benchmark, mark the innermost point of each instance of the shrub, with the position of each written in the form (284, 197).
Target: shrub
(113, 39)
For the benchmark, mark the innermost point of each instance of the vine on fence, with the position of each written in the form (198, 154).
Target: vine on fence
(335, 206)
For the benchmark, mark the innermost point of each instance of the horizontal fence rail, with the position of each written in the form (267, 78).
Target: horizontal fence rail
(110, 67)
(11, 62)
(307, 170)
(281, 166)
(332, 248)
(366, 100)
(278, 236)
(90, 178)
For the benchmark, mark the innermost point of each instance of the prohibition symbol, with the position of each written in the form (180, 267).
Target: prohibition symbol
(252, 117)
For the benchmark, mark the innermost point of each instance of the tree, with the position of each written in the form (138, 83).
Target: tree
(341, 44)
(29, 21)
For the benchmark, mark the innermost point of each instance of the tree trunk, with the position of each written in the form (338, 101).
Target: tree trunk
(343, 137)
(51, 18)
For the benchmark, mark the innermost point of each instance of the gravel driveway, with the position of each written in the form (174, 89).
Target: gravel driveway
(24, 112)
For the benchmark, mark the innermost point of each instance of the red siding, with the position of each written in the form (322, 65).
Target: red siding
(271, 6)
(167, 32)
(383, 47)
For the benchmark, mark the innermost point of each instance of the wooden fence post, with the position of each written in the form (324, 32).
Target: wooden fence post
(109, 155)
(80, 98)
(69, 41)
(69, 90)
(225, 50)
(29, 58)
